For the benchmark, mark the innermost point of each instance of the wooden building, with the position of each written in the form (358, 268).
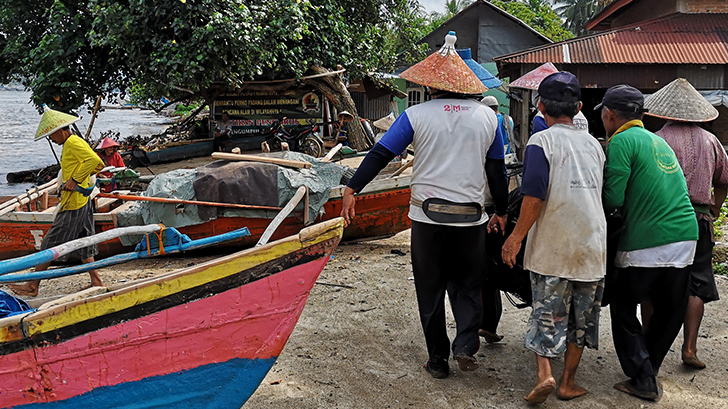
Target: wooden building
(488, 31)
(643, 43)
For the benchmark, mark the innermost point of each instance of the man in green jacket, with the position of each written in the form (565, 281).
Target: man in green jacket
(644, 180)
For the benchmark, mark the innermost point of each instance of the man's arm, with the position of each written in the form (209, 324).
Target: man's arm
(530, 209)
(536, 175)
(90, 162)
(616, 173)
(396, 139)
(495, 171)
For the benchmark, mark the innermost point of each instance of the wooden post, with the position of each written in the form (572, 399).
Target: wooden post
(93, 119)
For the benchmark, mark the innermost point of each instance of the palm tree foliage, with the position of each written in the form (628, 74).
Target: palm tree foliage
(576, 13)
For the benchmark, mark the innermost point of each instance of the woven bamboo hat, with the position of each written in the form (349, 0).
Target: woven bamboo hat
(52, 121)
(107, 143)
(445, 70)
(679, 101)
(385, 122)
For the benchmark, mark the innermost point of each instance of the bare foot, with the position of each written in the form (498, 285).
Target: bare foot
(570, 392)
(27, 289)
(541, 391)
(692, 361)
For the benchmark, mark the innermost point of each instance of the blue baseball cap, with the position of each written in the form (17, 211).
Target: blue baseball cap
(560, 86)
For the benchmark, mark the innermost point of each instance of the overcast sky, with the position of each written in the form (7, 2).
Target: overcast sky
(434, 5)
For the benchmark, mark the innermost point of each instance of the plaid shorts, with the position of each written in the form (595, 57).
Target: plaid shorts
(71, 225)
(563, 311)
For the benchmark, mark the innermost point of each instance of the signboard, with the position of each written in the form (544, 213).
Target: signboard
(251, 112)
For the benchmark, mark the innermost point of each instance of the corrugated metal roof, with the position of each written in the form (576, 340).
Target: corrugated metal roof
(675, 39)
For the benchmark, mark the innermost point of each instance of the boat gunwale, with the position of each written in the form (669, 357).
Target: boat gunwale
(307, 237)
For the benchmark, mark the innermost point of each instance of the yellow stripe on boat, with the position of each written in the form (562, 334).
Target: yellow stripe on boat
(159, 287)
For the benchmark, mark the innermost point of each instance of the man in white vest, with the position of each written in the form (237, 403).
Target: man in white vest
(566, 250)
(457, 148)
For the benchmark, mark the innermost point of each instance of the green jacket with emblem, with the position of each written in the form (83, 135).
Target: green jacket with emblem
(644, 179)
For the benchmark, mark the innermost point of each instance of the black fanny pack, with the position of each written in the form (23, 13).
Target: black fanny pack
(445, 211)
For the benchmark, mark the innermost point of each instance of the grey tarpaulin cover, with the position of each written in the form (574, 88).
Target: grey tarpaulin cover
(264, 184)
(249, 183)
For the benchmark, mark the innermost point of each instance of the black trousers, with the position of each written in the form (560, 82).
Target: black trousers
(492, 307)
(641, 354)
(447, 258)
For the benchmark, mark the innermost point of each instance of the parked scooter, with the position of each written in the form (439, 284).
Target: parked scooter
(301, 138)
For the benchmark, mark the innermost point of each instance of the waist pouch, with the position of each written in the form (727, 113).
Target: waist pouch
(445, 211)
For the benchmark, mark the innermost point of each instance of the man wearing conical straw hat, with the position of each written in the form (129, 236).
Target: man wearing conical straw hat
(75, 218)
(457, 148)
(705, 165)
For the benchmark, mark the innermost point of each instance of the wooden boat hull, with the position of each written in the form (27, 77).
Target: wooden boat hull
(380, 211)
(200, 337)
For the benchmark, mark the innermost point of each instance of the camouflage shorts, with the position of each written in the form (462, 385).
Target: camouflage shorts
(563, 311)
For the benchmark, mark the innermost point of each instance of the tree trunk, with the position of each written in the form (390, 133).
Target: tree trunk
(333, 88)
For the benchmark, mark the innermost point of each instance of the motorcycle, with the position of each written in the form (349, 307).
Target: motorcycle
(300, 139)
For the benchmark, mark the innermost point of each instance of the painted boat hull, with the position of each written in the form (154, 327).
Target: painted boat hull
(379, 212)
(200, 337)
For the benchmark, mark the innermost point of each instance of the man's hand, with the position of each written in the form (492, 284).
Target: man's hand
(498, 224)
(347, 210)
(510, 250)
(70, 185)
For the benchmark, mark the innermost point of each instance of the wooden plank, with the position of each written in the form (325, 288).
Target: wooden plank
(189, 202)
(287, 209)
(403, 168)
(254, 158)
(331, 153)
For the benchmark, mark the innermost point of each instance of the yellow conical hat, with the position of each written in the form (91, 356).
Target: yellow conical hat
(52, 121)
(445, 70)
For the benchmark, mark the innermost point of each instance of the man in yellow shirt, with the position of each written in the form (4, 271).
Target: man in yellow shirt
(75, 218)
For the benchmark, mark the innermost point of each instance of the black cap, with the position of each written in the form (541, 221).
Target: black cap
(623, 98)
(560, 86)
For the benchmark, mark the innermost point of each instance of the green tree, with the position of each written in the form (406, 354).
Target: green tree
(577, 13)
(539, 15)
(71, 51)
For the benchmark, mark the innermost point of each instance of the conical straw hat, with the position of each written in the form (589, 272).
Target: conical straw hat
(532, 79)
(385, 122)
(679, 101)
(488, 79)
(107, 143)
(445, 70)
(52, 121)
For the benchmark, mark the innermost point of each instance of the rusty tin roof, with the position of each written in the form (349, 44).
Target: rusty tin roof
(676, 39)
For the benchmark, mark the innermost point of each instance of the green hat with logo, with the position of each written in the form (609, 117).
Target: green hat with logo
(52, 121)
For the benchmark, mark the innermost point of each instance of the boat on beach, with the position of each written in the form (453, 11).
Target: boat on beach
(203, 336)
(382, 209)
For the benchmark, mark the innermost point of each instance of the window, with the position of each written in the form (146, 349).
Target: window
(414, 97)
(417, 95)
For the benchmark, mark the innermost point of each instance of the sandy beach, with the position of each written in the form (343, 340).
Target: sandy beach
(359, 344)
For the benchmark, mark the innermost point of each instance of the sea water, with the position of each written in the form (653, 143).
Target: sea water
(19, 120)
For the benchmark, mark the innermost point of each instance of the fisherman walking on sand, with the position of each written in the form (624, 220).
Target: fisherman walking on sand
(566, 251)
(705, 166)
(75, 218)
(457, 148)
(644, 180)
